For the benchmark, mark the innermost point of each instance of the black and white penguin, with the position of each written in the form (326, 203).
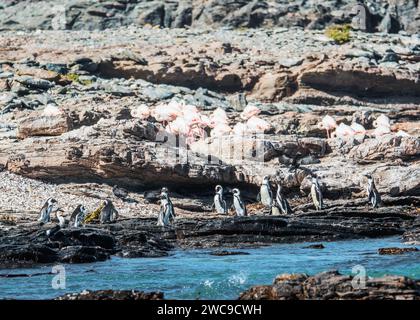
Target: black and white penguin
(316, 194)
(78, 216)
(238, 204)
(219, 201)
(167, 212)
(108, 212)
(266, 194)
(373, 194)
(45, 212)
(281, 202)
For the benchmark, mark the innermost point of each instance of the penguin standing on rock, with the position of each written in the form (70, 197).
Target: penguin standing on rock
(316, 194)
(108, 212)
(238, 204)
(78, 216)
(47, 208)
(166, 213)
(266, 194)
(281, 202)
(219, 201)
(373, 194)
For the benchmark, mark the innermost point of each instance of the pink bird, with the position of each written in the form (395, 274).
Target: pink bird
(249, 112)
(358, 128)
(343, 131)
(255, 124)
(141, 112)
(220, 130)
(219, 116)
(381, 130)
(240, 129)
(327, 123)
(165, 113)
(382, 121)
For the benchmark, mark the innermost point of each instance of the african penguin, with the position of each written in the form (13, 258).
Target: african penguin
(238, 204)
(373, 194)
(316, 194)
(219, 201)
(108, 212)
(45, 213)
(266, 194)
(281, 201)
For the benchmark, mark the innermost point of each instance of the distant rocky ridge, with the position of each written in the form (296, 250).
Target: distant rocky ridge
(382, 15)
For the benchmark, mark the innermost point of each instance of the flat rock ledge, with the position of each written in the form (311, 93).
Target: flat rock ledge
(29, 244)
(112, 295)
(332, 285)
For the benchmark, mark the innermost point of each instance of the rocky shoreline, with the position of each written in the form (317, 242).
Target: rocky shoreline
(72, 82)
(140, 237)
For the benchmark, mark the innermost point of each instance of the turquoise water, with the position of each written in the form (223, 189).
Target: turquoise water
(196, 274)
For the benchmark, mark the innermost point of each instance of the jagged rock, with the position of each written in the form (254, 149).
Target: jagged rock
(25, 254)
(112, 295)
(40, 125)
(334, 286)
(83, 254)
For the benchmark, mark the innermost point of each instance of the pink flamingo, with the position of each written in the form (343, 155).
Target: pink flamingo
(328, 123)
(141, 112)
(343, 131)
(255, 124)
(249, 112)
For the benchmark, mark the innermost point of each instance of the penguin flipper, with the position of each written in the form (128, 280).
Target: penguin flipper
(259, 197)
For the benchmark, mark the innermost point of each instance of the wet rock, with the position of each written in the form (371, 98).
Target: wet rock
(393, 251)
(113, 295)
(25, 254)
(315, 246)
(83, 254)
(223, 253)
(332, 285)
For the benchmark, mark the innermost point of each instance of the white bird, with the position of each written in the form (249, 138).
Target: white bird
(240, 129)
(358, 128)
(165, 113)
(141, 112)
(327, 123)
(381, 130)
(218, 116)
(249, 112)
(382, 121)
(178, 127)
(220, 130)
(343, 131)
(255, 124)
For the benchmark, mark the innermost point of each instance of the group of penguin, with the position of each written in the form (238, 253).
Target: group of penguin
(106, 213)
(277, 204)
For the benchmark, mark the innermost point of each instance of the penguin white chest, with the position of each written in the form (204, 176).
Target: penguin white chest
(266, 196)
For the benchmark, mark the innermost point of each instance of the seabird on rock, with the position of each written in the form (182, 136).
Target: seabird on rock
(373, 194)
(45, 213)
(108, 212)
(219, 201)
(78, 216)
(238, 204)
(266, 194)
(281, 202)
(167, 212)
(316, 194)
